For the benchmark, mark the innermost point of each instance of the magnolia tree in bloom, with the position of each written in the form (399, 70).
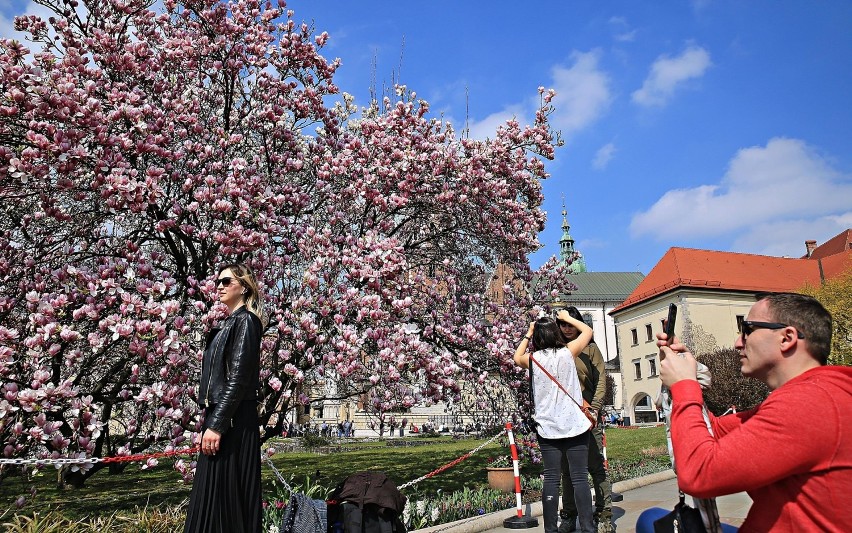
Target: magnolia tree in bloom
(141, 149)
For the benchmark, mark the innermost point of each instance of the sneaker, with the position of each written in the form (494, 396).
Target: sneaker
(567, 525)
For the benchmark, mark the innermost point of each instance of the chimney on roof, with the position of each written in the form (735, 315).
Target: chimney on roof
(810, 246)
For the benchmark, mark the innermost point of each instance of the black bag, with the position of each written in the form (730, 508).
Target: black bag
(370, 503)
(370, 519)
(304, 515)
(684, 519)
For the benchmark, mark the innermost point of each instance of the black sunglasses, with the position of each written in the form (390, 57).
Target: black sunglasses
(225, 282)
(750, 325)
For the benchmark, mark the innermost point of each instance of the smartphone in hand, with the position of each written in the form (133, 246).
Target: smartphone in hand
(670, 322)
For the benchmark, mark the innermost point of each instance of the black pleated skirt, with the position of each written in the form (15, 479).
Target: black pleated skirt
(226, 494)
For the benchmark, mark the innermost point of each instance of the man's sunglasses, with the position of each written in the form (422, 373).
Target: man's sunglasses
(225, 282)
(749, 326)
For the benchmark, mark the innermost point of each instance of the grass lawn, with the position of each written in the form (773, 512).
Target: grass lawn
(163, 487)
(630, 444)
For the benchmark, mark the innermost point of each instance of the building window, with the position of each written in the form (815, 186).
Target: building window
(652, 365)
(649, 333)
(587, 318)
(635, 336)
(637, 368)
(740, 319)
(644, 402)
(645, 411)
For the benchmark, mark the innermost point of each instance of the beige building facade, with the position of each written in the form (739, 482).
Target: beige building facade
(706, 320)
(713, 291)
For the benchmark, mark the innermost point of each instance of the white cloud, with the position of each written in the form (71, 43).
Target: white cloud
(487, 127)
(582, 93)
(582, 96)
(667, 73)
(7, 27)
(787, 237)
(624, 33)
(626, 37)
(589, 244)
(784, 182)
(603, 156)
(9, 10)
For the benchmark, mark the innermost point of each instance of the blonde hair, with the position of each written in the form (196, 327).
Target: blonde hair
(243, 273)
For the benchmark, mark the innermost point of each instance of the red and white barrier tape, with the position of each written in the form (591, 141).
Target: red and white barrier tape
(59, 461)
(450, 464)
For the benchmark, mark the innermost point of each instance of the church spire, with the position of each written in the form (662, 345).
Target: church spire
(566, 246)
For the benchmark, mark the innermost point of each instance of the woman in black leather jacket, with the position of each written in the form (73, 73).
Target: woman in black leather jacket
(226, 490)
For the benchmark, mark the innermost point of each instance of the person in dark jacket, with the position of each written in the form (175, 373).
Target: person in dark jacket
(226, 493)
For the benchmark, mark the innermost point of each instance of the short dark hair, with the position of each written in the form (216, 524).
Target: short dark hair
(807, 315)
(546, 334)
(574, 313)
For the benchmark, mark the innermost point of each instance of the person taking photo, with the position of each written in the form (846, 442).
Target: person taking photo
(561, 426)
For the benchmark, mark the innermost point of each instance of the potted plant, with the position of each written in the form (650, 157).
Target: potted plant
(501, 473)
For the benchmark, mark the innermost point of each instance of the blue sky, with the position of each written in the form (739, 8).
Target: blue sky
(712, 124)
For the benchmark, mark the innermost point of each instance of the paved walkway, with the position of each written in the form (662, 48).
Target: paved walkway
(656, 490)
(732, 508)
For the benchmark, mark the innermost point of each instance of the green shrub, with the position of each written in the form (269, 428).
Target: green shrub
(312, 441)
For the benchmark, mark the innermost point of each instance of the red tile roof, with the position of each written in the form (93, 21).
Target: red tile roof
(708, 269)
(834, 265)
(835, 245)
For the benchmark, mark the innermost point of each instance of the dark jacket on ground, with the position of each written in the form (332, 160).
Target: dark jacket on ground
(375, 488)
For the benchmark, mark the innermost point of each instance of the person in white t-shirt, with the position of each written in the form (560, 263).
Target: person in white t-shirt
(562, 428)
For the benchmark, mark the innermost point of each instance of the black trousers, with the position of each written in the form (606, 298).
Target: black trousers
(226, 496)
(572, 452)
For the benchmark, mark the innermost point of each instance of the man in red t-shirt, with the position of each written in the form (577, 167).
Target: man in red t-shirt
(793, 452)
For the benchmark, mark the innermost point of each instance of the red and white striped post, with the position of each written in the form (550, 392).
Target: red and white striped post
(616, 497)
(520, 521)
